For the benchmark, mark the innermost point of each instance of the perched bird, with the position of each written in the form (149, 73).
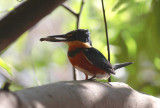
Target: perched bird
(83, 56)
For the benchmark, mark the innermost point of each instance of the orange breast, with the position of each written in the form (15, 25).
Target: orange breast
(80, 62)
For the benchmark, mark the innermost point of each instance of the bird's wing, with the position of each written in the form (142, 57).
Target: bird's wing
(97, 58)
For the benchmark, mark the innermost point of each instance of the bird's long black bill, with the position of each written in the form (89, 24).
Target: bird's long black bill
(117, 66)
(55, 38)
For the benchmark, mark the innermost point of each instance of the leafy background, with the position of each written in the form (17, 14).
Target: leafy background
(134, 33)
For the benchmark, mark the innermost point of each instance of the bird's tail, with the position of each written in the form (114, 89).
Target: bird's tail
(117, 66)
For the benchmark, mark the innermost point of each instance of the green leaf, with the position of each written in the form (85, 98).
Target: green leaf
(118, 4)
(102, 80)
(6, 66)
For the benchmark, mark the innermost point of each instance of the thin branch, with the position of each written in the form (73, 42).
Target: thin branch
(74, 73)
(69, 9)
(106, 30)
(77, 15)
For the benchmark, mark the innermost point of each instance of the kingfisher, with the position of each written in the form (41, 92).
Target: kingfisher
(83, 56)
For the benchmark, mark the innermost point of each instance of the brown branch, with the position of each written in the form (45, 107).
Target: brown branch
(106, 30)
(77, 15)
(74, 73)
(23, 17)
(69, 9)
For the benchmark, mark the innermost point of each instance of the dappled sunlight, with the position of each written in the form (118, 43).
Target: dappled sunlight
(157, 62)
(37, 104)
(93, 93)
(131, 44)
(133, 29)
(107, 93)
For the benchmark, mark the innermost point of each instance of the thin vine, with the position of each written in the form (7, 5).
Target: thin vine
(106, 30)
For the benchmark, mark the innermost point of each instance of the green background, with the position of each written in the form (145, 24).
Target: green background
(134, 35)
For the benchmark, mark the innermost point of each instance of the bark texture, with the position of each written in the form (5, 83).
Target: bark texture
(78, 94)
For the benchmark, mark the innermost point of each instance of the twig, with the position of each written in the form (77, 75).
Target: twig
(69, 9)
(106, 29)
(77, 15)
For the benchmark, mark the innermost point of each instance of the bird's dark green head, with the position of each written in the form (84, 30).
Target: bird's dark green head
(81, 35)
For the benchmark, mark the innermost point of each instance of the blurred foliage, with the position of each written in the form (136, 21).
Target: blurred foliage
(134, 33)
(6, 66)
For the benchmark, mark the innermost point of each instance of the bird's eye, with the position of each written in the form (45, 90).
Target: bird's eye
(69, 35)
